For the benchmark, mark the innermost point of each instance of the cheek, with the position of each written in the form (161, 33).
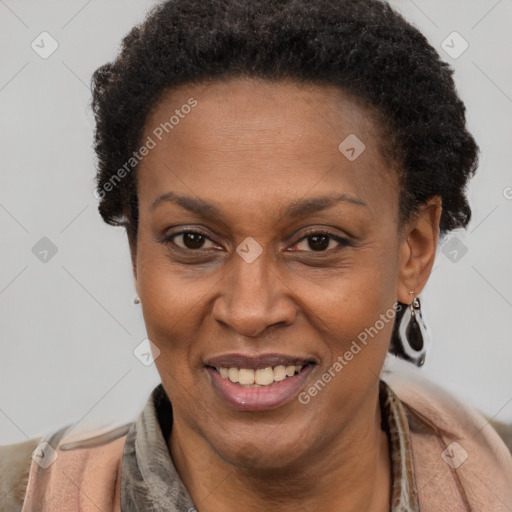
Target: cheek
(171, 308)
(168, 291)
(168, 300)
(356, 317)
(355, 298)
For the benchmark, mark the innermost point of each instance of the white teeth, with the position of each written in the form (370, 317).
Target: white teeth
(264, 376)
(260, 377)
(279, 373)
(290, 370)
(246, 376)
(233, 374)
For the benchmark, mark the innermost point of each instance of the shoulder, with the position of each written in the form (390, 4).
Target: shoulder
(444, 411)
(15, 462)
(436, 420)
(16, 459)
(504, 430)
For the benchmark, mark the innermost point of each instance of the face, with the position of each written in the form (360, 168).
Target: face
(266, 252)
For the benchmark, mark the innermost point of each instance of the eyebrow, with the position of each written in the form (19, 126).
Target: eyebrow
(295, 209)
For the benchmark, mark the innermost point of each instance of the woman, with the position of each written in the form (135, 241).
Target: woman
(283, 172)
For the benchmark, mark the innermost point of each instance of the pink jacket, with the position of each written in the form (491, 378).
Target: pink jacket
(460, 462)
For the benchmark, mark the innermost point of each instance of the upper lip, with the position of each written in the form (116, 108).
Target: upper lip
(258, 361)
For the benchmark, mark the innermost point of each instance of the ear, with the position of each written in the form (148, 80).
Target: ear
(418, 249)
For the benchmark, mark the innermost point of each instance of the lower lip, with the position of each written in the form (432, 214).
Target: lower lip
(260, 398)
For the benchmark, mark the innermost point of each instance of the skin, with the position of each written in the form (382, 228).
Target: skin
(250, 148)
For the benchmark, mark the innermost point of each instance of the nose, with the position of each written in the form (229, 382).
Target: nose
(254, 296)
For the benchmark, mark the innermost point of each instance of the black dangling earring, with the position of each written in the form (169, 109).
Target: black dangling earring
(410, 335)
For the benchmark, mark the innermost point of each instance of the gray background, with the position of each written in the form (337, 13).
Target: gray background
(68, 325)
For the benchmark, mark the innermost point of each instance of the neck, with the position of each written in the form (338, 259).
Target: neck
(352, 473)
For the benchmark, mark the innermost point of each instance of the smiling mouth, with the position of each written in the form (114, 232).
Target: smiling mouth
(261, 377)
(258, 382)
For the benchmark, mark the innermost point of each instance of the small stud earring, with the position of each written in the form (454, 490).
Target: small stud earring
(136, 300)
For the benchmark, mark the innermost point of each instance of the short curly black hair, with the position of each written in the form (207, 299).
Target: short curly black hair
(362, 46)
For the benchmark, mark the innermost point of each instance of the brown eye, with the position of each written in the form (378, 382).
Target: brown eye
(191, 240)
(320, 241)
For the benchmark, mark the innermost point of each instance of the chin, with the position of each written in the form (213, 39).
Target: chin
(262, 452)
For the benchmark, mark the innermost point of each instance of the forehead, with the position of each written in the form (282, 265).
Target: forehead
(235, 139)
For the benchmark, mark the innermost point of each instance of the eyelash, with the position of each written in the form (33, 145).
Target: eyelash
(344, 242)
